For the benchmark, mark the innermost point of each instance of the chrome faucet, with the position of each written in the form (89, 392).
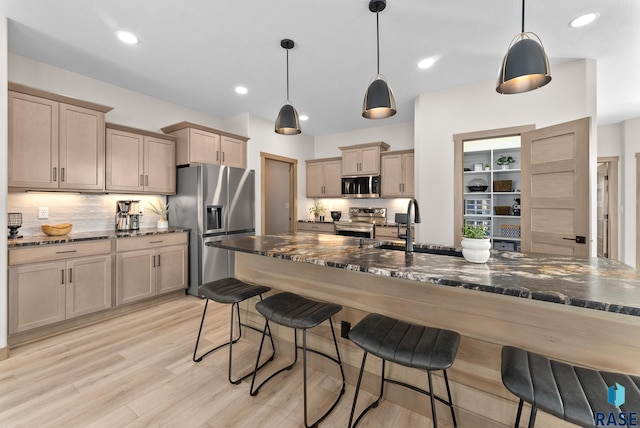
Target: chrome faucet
(409, 236)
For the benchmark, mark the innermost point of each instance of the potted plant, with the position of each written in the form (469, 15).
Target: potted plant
(475, 243)
(317, 209)
(505, 161)
(487, 167)
(161, 209)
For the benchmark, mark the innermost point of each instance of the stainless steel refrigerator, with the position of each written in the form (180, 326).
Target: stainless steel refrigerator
(215, 202)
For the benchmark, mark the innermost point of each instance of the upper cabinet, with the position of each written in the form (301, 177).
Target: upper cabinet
(55, 142)
(398, 174)
(202, 144)
(362, 159)
(324, 178)
(139, 161)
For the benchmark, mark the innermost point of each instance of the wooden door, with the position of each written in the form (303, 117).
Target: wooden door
(370, 161)
(124, 161)
(333, 179)
(81, 158)
(278, 196)
(159, 166)
(204, 147)
(408, 164)
(555, 189)
(171, 268)
(234, 152)
(33, 142)
(135, 276)
(88, 285)
(391, 169)
(36, 295)
(315, 180)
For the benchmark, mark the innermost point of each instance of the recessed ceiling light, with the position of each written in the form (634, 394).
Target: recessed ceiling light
(584, 19)
(241, 90)
(304, 117)
(427, 62)
(127, 37)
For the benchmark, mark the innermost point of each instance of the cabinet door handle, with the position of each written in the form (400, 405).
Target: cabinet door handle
(141, 180)
(55, 174)
(61, 174)
(222, 156)
(146, 180)
(70, 275)
(62, 283)
(154, 261)
(158, 260)
(400, 187)
(217, 155)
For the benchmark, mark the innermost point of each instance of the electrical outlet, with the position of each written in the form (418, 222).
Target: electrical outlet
(43, 213)
(345, 327)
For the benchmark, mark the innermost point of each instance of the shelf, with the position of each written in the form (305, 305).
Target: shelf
(500, 238)
(479, 215)
(504, 170)
(506, 216)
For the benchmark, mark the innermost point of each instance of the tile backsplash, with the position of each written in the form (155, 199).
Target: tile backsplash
(87, 212)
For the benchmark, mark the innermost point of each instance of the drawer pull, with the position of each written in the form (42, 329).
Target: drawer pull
(155, 242)
(65, 252)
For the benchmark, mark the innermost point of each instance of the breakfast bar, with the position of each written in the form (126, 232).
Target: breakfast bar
(582, 311)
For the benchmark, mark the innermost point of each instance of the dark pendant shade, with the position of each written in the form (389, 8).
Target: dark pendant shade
(525, 66)
(379, 102)
(287, 122)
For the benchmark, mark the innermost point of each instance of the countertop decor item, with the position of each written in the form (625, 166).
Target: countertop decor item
(477, 185)
(502, 185)
(335, 215)
(317, 209)
(287, 122)
(475, 243)
(56, 229)
(160, 208)
(505, 161)
(525, 67)
(14, 222)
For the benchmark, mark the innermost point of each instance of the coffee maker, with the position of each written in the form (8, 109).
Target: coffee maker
(127, 215)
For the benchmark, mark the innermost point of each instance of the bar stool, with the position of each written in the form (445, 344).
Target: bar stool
(297, 312)
(230, 291)
(575, 394)
(409, 345)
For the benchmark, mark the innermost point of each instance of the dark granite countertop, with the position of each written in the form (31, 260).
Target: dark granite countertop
(592, 283)
(86, 236)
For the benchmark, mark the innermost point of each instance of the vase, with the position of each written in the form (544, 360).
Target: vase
(476, 250)
(506, 166)
(163, 224)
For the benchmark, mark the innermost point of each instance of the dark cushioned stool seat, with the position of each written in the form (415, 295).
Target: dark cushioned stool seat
(297, 312)
(230, 291)
(574, 394)
(410, 345)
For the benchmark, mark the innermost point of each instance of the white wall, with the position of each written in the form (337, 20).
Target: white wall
(631, 138)
(3, 181)
(476, 107)
(399, 136)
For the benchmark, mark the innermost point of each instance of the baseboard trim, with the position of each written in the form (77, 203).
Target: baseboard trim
(4, 353)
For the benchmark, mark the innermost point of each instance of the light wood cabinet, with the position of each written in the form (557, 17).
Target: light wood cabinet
(398, 174)
(324, 178)
(362, 159)
(55, 142)
(139, 161)
(327, 228)
(202, 144)
(150, 265)
(48, 285)
(391, 232)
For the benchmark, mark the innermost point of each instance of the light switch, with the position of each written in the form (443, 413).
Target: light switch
(43, 213)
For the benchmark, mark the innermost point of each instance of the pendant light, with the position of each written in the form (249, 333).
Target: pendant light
(287, 122)
(379, 102)
(525, 66)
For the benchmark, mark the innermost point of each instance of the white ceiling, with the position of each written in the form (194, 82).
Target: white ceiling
(194, 52)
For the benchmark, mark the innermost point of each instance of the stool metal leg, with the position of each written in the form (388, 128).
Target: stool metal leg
(204, 313)
(355, 398)
(253, 392)
(453, 413)
(532, 418)
(519, 414)
(433, 400)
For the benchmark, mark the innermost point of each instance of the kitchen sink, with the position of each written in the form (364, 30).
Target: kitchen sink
(425, 250)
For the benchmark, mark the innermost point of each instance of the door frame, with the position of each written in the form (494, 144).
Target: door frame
(613, 203)
(458, 167)
(293, 188)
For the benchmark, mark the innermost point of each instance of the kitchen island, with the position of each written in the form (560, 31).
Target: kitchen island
(584, 311)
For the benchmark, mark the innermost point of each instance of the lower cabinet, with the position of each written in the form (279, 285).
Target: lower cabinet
(150, 265)
(326, 228)
(72, 284)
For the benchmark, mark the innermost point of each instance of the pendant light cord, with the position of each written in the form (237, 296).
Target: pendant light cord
(287, 75)
(378, 40)
(523, 16)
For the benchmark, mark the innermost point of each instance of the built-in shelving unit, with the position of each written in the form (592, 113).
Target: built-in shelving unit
(497, 205)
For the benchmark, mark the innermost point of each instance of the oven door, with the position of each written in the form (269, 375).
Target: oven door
(356, 231)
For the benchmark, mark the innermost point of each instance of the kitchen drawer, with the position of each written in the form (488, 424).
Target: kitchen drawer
(316, 227)
(151, 241)
(391, 231)
(42, 253)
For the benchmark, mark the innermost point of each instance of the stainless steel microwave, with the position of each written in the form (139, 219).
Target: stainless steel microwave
(361, 187)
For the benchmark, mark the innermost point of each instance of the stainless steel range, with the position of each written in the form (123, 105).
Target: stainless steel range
(362, 222)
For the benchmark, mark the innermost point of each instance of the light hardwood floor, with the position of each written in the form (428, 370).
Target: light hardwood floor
(136, 371)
